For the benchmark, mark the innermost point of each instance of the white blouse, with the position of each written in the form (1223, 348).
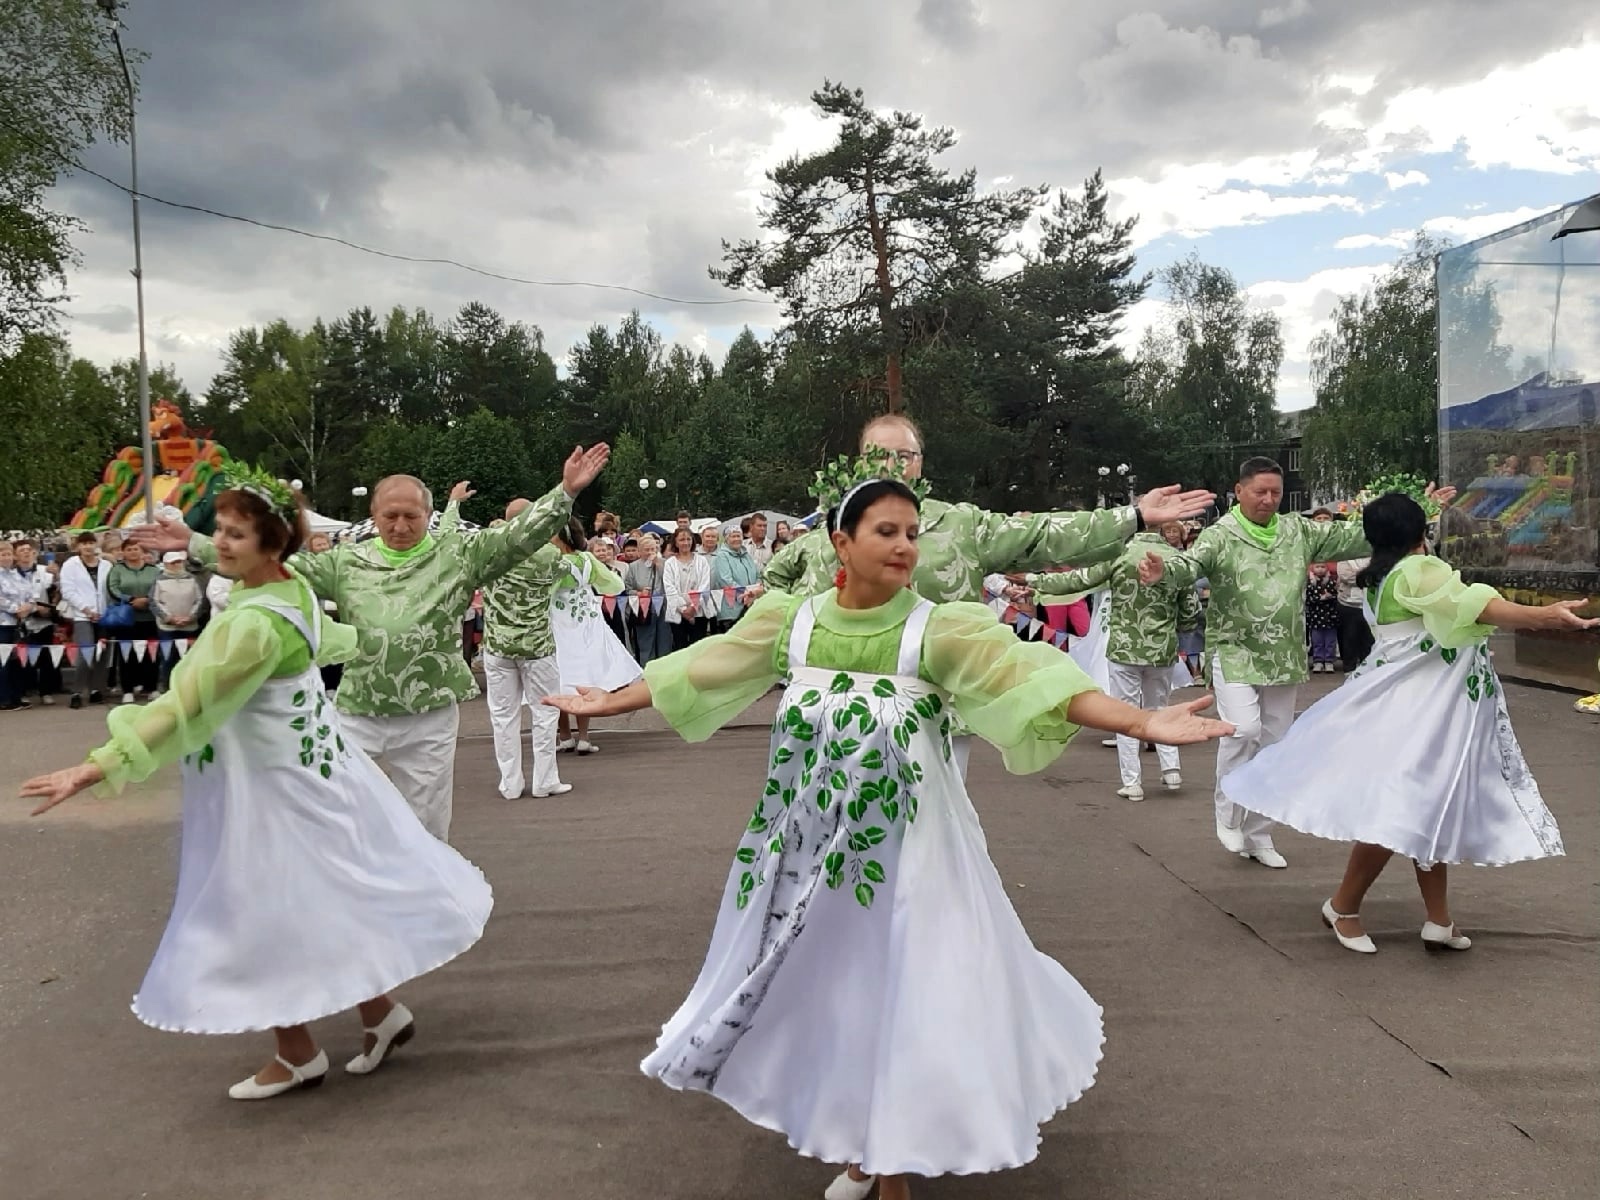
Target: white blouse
(679, 579)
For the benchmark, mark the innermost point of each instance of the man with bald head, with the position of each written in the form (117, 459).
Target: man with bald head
(404, 592)
(519, 667)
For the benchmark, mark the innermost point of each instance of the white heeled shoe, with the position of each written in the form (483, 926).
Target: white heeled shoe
(391, 1033)
(306, 1075)
(1444, 937)
(1131, 791)
(566, 745)
(1231, 839)
(846, 1188)
(588, 747)
(1267, 856)
(1361, 945)
(1172, 780)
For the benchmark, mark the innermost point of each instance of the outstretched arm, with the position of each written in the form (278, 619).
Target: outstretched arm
(597, 702)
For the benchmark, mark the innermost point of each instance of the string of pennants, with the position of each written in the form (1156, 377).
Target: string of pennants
(151, 649)
(643, 602)
(1024, 624)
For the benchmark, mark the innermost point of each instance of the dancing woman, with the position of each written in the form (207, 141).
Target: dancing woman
(869, 991)
(1414, 754)
(306, 884)
(588, 653)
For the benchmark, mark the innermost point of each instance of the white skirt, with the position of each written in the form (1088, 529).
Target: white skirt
(1414, 752)
(587, 651)
(306, 884)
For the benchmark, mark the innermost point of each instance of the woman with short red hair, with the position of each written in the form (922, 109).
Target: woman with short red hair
(306, 884)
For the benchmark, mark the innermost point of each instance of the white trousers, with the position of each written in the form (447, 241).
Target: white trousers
(1142, 687)
(510, 683)
(418, 754)
(1261, 715)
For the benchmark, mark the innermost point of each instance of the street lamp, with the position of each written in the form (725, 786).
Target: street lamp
(110, 7)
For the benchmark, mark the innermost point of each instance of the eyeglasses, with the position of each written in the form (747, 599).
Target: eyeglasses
(907, 457)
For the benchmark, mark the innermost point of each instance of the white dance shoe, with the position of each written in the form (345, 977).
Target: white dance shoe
(566, 745)
(1444, 937)
(390, 1034)
(1110, 741)
(1131, 791)
(1172, 780)
(1267, 856)
(306, 1075)
(560, 789)
(1361, 945)
(1231, 839)
(845, 1188)
(587, 747)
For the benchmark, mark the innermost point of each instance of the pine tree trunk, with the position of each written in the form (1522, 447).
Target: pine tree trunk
(886, 321)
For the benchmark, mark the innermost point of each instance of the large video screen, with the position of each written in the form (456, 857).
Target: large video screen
(1519, 374)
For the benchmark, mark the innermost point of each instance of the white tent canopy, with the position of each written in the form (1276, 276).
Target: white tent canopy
(318, 523)
(772, 515)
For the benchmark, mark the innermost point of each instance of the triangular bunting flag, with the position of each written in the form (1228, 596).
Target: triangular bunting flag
(1008, 614)
(727, 594)
(1034, 626)
(1059, 638)
(72, 654)
(1020, 622)
(55, 654)
(30, 654)
(5, 653)
(182, 646)
(610, 604)
(738, 593)
(657, 603)
(126, 648)
(153, 648)
(137, 648)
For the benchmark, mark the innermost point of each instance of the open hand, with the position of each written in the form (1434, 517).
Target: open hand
(1182, 724)
(1152, 568)
(168, 533)
(583, 467)
(61, 785)
(1563, 615)
(1172, 504)
(462, 491)
(589, 702)
(1440, 495)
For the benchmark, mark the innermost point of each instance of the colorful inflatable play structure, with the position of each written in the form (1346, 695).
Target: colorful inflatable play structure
(188, 467)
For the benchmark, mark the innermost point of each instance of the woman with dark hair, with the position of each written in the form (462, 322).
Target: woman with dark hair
(1414, 754)
(687, 581)
(588, 652)
(869, 991)
(306, 885)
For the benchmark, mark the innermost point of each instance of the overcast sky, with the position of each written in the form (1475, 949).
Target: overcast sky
(1296, 143)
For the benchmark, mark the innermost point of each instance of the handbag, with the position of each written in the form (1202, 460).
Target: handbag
(118, 616)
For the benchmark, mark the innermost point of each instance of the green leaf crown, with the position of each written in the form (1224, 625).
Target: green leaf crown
(1398, 481)
(843, 473)
(241, 476)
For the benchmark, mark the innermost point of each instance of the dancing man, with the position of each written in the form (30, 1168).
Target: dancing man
(519, 666)
(404, 592)
(1256, 559)
(1141, 642)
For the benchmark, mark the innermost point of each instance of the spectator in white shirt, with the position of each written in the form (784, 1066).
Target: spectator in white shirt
(83, 602)
(687, 581)
(754, 528)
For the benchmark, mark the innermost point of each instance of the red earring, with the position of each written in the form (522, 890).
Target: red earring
(838, 578)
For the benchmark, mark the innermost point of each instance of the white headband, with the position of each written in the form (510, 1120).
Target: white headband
(838, 513)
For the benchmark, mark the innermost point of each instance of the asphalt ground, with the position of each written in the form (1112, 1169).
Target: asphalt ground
(1247, 1054)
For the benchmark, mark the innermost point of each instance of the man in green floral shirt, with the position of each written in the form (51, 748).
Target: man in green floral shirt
(404, 592)
(1256, 560)
(1141, 641)
(519, 667)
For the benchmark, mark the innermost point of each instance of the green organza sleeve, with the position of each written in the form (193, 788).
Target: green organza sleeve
(701, 688)
(1013, 694)
(1078, 582)
(602, 578)
(1433, 590)
(235, 655)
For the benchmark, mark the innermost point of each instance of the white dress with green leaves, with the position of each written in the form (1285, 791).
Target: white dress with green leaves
(869, 991)
(306, 885)
(587, 651)
(1415, 751)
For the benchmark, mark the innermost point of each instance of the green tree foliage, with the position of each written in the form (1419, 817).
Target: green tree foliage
(872, 226)
(61, 89)
(1376, 374)
(1207, 374)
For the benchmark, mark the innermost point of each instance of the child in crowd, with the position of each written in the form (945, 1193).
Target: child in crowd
(1322, 616)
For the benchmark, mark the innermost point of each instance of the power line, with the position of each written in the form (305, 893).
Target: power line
(373, 250)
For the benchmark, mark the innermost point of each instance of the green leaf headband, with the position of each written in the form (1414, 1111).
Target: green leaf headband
(242, 477)
(838, 479)
(1412, 485)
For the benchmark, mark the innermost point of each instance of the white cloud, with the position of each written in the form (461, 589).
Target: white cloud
(1304, 307)
(1366, 241)
(1193, 199)
(1469, 229)
(1396, 180)
(1283, 14)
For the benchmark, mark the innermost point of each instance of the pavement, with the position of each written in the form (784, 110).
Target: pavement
(1248, 1056)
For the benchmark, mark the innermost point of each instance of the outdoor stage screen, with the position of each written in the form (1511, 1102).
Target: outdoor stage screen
(1519, 434)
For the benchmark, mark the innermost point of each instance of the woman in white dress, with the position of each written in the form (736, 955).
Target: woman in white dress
(1414, 754)
(306, 885)
(869, 991)
(588, 653)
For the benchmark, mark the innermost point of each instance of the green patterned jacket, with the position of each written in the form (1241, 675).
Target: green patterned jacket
(1256, 623)
(407, 616)
(1144, 620)
(960, 543)
(516, 607)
